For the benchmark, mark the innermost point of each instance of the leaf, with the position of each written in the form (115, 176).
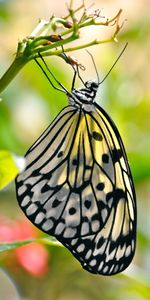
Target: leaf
(10, 246)
(10, 166)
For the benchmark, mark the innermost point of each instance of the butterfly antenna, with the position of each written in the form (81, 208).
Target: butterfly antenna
(94, 66)
(114, 64)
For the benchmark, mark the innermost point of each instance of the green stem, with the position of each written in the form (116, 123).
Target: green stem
(70, 49)
(92, 43)
(12, 71)
(52, 46)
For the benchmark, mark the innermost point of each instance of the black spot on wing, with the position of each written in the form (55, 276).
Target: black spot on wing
(97, 136)
(116, 155)
(75, 162)
(72, 211)
(100, 186)
(87, 203)
(100, 242)
(60, 154)
(55, 203)
(105, 158)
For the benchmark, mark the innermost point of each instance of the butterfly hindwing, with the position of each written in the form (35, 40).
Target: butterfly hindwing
(77, 186)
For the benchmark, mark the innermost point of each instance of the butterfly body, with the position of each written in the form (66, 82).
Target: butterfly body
(77, 185)
(83, 96)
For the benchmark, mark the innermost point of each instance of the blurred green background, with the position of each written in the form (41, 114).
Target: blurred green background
(29, 104)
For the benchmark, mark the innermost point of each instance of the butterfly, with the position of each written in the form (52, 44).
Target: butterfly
(78, 187)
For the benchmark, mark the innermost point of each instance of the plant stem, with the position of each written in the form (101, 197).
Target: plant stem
(70, 49)
(12, 71)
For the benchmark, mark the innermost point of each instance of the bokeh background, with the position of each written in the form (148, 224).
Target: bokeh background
(29, 104)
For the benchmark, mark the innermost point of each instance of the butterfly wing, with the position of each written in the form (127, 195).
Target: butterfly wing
(78, 187)
(43, 189)
(109, 246)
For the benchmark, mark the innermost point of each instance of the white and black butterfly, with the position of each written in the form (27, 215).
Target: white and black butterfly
(77, 185)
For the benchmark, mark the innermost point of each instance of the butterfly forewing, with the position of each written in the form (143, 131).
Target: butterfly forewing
(77, 186)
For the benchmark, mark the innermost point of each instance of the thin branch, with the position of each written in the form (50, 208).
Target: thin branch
(83, 46)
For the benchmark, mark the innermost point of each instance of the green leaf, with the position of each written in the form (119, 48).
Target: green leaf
(10, 166)
(10, 246)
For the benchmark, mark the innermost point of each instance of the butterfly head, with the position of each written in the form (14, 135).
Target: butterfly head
(84, 95)
(92, 85)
